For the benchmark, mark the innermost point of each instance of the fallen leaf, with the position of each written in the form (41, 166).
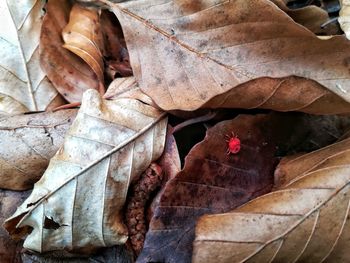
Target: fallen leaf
(286, 94)
(27, 143)
(83, 191)
(344, 17)
(83, 36)
(70, 75)
(211, 182)
(23, 84)
(9, 248)
(305, 221)
(183, 53)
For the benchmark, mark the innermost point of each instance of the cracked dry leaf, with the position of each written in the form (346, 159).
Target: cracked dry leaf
(77, 204)
(82, 36)
(27, 143)
(344, 17)
(305, 221)
(69, 73)
(22, 82)
(183, 53)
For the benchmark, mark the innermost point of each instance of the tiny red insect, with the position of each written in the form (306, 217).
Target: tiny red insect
(234, 144)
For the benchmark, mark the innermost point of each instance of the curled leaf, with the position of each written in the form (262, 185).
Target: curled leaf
(184, 53)
(77, 204)
(82, 36)
(305, 221)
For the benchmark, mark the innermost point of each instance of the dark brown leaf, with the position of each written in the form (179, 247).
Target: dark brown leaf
(9, 248)
(211, 182)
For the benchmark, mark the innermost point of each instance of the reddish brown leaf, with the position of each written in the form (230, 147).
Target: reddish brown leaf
(82, 36)
(9, 249)
(70, 74)
(211, 182)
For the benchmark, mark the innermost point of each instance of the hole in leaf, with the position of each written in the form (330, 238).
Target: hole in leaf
(49, 223)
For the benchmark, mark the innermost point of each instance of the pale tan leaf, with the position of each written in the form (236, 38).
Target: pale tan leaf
(83, 36)
(344, 17)
(21, 77)
(305, 221)
(127, 88)
(9, 105)
(183, 53)
(27, 143)
(83, 190)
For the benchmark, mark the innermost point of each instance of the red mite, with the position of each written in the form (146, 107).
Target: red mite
(234, 144)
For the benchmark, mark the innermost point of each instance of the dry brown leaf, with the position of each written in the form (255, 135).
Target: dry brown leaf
(69, 73)
(344, 17)
(23, 85)
(287, 94)
(77, 204)
(27, 143)
(9, 249)
(82, 36)
(305, 221)
(183, 53)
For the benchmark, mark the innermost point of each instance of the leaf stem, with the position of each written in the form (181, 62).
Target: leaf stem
(202, 118)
